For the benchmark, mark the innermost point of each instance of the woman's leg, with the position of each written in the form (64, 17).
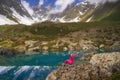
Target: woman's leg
(66, 61)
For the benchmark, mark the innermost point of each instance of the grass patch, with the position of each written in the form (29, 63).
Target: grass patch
(49, 31)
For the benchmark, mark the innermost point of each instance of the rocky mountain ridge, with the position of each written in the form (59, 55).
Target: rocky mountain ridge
(15, 12)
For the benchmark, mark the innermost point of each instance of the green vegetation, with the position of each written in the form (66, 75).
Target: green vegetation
(47, 31)
(107, 12)
(115, 16)
(115, 76)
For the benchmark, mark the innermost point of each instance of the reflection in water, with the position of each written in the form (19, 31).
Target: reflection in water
(31, 67)
(25, 72)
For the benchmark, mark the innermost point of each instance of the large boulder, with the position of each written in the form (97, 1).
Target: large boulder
(31, 43)
(101, 66)
(105, 59)
(20, 48)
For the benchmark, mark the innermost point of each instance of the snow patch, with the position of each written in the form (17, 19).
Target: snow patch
(4, 20)
(81, 13)
(62, 20)
(77, 19)
(22, 19)
(89, 19)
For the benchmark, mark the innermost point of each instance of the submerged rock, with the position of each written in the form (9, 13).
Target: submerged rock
(92, 70)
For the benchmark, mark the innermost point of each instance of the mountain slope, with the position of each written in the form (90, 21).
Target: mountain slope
(6, 5)
(107, 12)
(72, 13)
(16, 12)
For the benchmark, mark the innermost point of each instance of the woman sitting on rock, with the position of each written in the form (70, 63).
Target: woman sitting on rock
(71, 59)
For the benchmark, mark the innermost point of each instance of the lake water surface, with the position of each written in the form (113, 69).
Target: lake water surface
(31, 67)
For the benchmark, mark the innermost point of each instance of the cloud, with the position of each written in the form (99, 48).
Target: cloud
(60, 5)
(41, 2)
(27, 7)
(102, 1)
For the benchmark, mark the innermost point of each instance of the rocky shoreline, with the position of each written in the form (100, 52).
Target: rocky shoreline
(8, 52)
(63, 44)
(99, 67)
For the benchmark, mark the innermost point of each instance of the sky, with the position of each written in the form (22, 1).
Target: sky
(52, 2)
(48, 2)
